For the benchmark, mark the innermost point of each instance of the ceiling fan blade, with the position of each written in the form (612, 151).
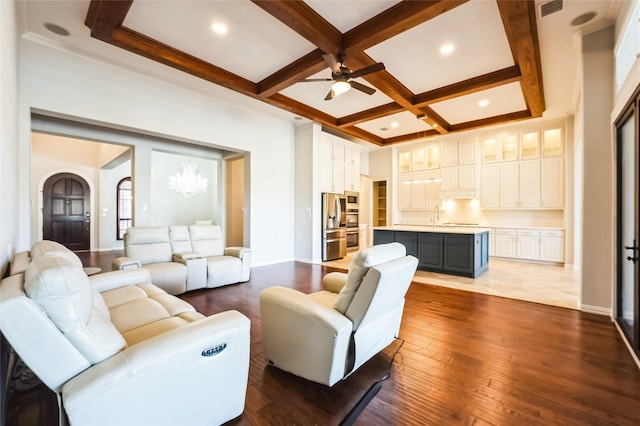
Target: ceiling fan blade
(315, 79)
(333, 64)
(367, 70)
(361, 87)
(329, 95)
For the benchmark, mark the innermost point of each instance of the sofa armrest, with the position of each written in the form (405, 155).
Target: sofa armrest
(179, 257)
(114, 279)
(236, 251)
(334, 281)
(320, 334)
(209, 357)
(121, 263)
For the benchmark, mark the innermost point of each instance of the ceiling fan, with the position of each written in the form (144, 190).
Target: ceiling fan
(341, 76)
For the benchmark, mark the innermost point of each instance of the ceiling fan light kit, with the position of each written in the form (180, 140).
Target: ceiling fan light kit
(340, 86)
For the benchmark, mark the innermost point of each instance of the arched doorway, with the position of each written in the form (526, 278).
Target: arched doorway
(66, 211)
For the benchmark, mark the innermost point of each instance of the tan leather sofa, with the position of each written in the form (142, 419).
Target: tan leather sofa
(181, 258)
(118, 350)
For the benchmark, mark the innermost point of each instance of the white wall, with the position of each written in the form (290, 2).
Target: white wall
(71, 86)
(598, 177)
(9, 236)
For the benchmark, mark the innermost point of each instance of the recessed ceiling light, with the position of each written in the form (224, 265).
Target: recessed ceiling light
(447, 48)
(219, 28)
(483, 103)
(56, 29)
(394, 124)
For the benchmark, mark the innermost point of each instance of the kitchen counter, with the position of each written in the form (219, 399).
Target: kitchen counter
(451, 250)
(471, 230)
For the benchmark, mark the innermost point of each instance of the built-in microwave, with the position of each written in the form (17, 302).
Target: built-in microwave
(352, 201)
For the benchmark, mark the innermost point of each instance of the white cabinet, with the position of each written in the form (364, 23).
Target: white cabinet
(552, 246)
(505, 241)
(489, 187)
(418, 190)
(340, 169)
(508, 185)
(467, 152)
(503, 148)
(552, 182)
(543, 245)
(527, 244)
(460, 174)
(529, 184)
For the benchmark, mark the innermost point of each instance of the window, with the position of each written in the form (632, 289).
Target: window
(124, 201)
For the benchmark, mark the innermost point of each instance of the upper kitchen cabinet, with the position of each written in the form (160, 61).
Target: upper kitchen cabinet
(340, 169)
(552, 142)
(530, 146)
(458, 153)
(503, 148)
(419, 158)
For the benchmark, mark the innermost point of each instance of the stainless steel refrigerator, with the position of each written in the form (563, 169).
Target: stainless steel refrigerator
(334, 226)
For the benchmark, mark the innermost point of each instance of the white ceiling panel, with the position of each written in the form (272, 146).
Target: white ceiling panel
(346, 15)
(413, 57)
(502, 100)
(186, 25)
(394, 125)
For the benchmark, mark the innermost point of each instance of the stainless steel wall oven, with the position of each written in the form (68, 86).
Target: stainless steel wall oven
(352, 219)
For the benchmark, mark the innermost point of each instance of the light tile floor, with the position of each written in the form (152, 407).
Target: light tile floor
(541, 283)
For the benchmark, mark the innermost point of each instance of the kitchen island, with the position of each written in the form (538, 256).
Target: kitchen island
(456, 250)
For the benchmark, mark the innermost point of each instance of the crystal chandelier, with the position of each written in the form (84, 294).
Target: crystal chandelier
(188, 183)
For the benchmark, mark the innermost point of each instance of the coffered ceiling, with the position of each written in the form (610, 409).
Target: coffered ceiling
(494, 72)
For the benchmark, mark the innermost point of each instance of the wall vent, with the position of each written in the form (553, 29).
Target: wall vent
(550, 7)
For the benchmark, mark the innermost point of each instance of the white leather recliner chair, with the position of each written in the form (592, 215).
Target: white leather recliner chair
(326, 336)
(118, 350)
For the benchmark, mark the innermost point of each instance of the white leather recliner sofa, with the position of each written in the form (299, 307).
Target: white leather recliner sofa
(326, 336)
(182, 258)
(118, 350)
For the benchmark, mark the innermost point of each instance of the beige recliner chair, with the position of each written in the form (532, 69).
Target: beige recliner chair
(326, 336)
(118, 350)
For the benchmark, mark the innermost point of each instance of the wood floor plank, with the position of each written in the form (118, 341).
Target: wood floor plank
(467, 359)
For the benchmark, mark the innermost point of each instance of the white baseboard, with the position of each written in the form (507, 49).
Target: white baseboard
(595, 309)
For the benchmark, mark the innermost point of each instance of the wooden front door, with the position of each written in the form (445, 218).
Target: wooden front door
(66, 212)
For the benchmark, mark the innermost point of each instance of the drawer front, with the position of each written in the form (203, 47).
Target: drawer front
(528, 232)
(505, 231)
(552, 233)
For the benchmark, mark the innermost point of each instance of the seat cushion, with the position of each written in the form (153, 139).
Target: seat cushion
(360, 264)
(222, 270)
(170, 276)
(144, 310)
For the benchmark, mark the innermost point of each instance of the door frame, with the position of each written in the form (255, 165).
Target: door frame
(630, 111)
(40, 217)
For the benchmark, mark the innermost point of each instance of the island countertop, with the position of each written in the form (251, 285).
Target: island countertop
(468, 230)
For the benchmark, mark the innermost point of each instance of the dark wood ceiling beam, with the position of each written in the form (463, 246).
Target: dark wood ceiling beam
(152, 49)
(104, 16)
(395, 20)
(410, 137)
(298, 108)
(519, 20)
(293, 73)
(491, 121)
(466, 87)
(370, 114)
(305, 21)
(362, 134)
(434, 119)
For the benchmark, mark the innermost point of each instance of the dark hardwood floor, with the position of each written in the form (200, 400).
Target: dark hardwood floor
(467, 358)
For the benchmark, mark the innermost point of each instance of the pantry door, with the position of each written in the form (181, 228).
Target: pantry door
(628, 289)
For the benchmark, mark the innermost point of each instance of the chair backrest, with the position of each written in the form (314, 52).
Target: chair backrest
(180, 240)
(54, 300)
(206, 240)
(148, 244)
(361, 262)
(382, 290)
